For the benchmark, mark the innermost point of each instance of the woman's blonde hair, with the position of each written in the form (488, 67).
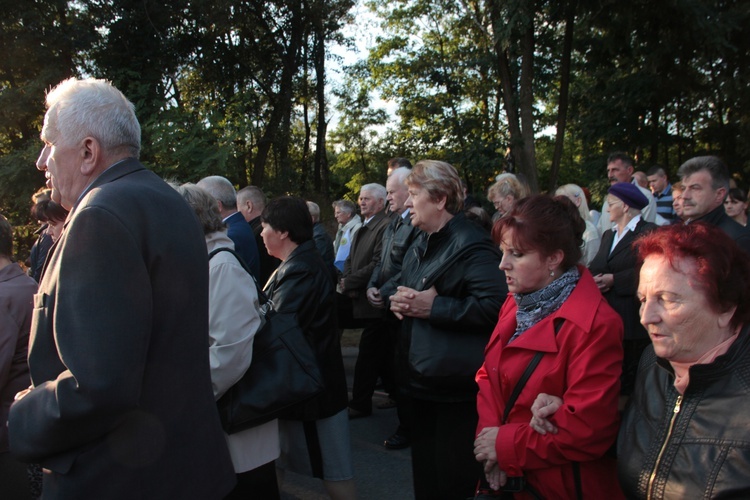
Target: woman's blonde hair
(574, 192)
(439, 179)
(507, 184)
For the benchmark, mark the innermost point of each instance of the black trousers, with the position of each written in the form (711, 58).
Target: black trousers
(256, 483)
(14, 481)
(372, 362)
(442, 450)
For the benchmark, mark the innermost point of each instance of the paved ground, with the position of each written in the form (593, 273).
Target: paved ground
(379, 473)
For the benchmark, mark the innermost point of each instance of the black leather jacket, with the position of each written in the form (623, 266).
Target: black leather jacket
(692, 446)
(397, 238)
(302, 285)
(719, 218)
(463, 264)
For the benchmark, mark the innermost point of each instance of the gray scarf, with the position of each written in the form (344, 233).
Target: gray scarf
(535, 306)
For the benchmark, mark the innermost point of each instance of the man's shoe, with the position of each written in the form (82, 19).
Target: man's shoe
(388, 403)
(353, 413)
(397, 442)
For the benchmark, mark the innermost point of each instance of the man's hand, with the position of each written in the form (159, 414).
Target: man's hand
(374, 298)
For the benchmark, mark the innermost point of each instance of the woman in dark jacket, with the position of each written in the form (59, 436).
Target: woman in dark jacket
(318, 444)
(615, 274)
(449, 296)
(685, 431)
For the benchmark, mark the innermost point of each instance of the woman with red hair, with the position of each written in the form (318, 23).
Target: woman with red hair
(556, 317)
(685, 431)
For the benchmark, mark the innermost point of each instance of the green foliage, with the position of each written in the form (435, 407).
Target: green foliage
(229, 87)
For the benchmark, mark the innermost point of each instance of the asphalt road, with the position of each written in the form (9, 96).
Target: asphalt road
(379, 473)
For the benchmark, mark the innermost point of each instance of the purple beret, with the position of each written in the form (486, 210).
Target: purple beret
(629, 194)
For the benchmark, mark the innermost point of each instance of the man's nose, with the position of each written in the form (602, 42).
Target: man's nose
(41, 162)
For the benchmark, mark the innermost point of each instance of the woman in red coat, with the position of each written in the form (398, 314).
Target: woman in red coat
(554, 309)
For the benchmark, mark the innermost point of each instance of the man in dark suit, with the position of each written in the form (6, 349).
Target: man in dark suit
(121, 404)
(251, 201)
(363, 257)
(705, 180)
(323, 241)
(237, 229)
(397, 238)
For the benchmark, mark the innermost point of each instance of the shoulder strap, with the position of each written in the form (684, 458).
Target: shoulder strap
(525, 377)
(262, 298)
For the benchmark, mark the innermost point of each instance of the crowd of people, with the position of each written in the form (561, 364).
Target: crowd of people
(547, 351)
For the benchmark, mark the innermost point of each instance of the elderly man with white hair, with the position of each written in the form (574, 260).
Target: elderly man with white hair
(121, 404)
(356, 310)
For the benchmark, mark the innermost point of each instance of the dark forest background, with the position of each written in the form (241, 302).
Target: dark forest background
(241, 88)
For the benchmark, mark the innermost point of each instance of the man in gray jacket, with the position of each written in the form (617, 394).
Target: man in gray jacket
(121, 404)
(397, 239)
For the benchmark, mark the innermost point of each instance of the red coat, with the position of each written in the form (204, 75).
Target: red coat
(582, 365)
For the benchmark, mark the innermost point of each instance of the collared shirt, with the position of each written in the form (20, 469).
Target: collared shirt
(619, 235)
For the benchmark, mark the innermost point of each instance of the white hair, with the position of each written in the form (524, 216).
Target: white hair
(77, 109)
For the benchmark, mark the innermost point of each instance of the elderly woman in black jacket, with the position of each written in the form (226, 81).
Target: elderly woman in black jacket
(614, 271)
(450, 293)
(318, 444)
(685, 431)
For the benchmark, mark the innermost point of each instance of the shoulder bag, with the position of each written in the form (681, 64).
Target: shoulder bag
(517, 484)
(283, 374)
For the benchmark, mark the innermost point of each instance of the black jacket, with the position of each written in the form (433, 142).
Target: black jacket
(707, 453)
(302, 285)
(719, 218)
(397, 238)
(463, 265)
(622, 264)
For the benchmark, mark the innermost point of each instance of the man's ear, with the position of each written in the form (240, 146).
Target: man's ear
(721, 194)
(91, 154)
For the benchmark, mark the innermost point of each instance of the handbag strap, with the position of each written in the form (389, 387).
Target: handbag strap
(262, 297)
(526, 374)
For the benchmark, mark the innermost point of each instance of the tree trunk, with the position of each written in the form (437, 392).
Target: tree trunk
(277, 131)
(521, 141)
(321, 155)
(562, 104)
(528, 167)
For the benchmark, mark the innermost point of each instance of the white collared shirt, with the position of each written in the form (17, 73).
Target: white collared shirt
(620, 235)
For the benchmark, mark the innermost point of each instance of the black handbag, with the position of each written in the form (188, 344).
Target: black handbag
(283, 374)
